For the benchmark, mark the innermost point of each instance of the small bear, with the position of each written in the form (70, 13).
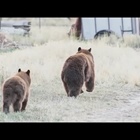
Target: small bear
(16, 90)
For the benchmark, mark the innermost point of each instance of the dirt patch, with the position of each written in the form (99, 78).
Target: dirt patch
(117, 105)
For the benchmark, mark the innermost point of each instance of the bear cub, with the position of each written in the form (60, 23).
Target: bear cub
(16, 91)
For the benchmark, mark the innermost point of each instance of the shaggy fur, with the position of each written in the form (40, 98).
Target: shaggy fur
(16, 91)
(78, 69)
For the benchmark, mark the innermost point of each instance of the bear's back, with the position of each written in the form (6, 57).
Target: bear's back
(13, 82)
(26, 78)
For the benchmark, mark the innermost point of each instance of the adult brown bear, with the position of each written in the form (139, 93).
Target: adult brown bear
(77, 69)
(16, 91)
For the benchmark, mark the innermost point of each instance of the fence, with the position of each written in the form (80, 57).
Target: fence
(14, 26)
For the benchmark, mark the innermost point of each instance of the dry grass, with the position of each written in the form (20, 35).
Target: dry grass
(42, 36)
(117, 80)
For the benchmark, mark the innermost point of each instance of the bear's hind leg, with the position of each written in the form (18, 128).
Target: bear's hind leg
(66, 88)
(7, 99)
(6, 107)
(90, 85)
(24, 104)
(82, 91)
(75, 92)
(17, 105)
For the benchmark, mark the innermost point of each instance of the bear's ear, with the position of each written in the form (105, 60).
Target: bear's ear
(28, 72)
(79, 49)
(89, 50)
(19, 70)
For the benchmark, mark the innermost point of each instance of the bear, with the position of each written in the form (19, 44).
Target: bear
(16, 90)
(77, 70)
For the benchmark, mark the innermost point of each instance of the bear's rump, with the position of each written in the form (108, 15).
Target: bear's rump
(73, 74)
(14, 88)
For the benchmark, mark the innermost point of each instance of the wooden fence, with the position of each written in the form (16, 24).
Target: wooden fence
(24, 24)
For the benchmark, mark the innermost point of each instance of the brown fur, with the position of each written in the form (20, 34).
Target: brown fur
(76, 28)
(78, 69)
(16, 91)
